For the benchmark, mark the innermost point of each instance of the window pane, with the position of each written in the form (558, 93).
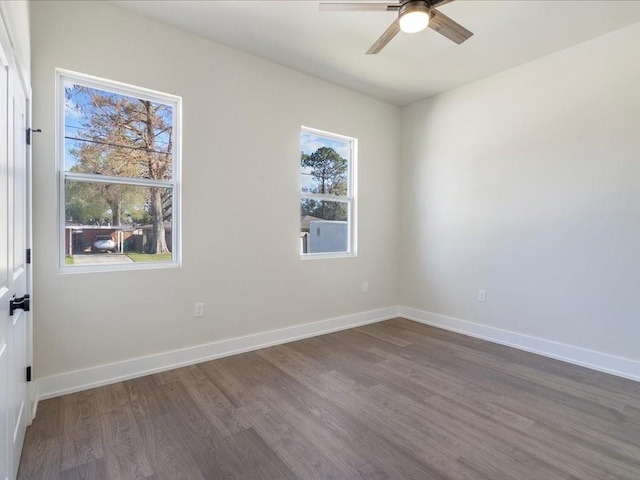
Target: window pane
(324, 166)
(118, 135)
(108, 223)
(324, 226)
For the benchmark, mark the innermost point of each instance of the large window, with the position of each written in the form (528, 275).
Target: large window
(327, 194)
(119, 169)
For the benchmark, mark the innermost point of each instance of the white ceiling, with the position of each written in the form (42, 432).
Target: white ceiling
(331, 45)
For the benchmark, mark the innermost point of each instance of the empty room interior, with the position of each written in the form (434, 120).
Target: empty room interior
(320, 240)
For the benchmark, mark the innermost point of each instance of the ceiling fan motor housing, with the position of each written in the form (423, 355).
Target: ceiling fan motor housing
(414, 15)
(414, 6)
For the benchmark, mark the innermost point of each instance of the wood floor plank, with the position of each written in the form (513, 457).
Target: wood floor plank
(81, 432)
(211, 401)
(298, 366)
(393, 400)
(399, 461)
(384, 334)
(295, 449)
(44, 455)
(211, 453)
(335, 355)
(42, 442)
(238, 391)
(457, 393)
(335, 443)
(168, 454)
(124, 455)
(126, 461)
(92, 470)
(433, 451)
(297, 401)
(554, 447)
(613, 400)
(474, 438)
(142, 398)
(48, 423)
(258, 457)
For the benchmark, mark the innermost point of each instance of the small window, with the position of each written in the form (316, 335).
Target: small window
(327, 194)
(119, 165)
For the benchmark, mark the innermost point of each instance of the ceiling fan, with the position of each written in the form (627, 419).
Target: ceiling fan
(413, 16)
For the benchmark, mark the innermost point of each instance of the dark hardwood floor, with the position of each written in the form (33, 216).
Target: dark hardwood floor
(394, 400)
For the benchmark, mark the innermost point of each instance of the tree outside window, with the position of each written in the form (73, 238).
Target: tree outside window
(326, 199)
(119, 172)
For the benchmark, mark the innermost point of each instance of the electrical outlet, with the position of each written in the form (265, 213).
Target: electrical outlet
(199, 310)
(365, 287)
(482, 296)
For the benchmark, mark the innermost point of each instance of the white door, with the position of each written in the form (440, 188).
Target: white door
(5, 292)
(13, 271)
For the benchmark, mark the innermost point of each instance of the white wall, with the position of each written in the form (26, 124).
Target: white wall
(527, 185)
(242, 119)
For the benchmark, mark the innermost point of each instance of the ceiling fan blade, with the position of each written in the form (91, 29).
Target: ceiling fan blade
(385, 38)
(357, 7)
(447, 27)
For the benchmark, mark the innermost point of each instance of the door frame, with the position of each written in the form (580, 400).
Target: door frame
(12, 60)
(7, 41)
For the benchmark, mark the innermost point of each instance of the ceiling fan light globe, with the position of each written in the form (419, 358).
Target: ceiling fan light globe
(413, 21)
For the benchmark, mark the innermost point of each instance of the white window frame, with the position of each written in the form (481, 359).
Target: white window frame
(350, 199)
(175, 102)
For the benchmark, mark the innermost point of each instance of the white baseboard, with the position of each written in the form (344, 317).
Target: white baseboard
(621, 367)
(78, 380)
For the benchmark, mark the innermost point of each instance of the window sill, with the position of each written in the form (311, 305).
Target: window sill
(125, 267)
(319, 256)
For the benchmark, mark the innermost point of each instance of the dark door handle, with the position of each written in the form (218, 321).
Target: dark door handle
(16, 303)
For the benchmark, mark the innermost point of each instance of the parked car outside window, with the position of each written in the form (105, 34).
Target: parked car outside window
(103, 243)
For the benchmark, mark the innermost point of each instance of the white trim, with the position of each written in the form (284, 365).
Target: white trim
(138, 182)
(78, 380)
(121, 88)
(175, 102)
(619, 366)
(350, 198)
(116, 267)
(324, 256)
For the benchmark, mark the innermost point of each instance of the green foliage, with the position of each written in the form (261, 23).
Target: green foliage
(323, 209)
(329, 172)
(120, 136)
(85, 205)
(149, 257)
(106, 204)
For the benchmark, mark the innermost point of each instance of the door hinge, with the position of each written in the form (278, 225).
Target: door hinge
(29, 373)
(29, 132)
(16, 303)
(28, 255)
